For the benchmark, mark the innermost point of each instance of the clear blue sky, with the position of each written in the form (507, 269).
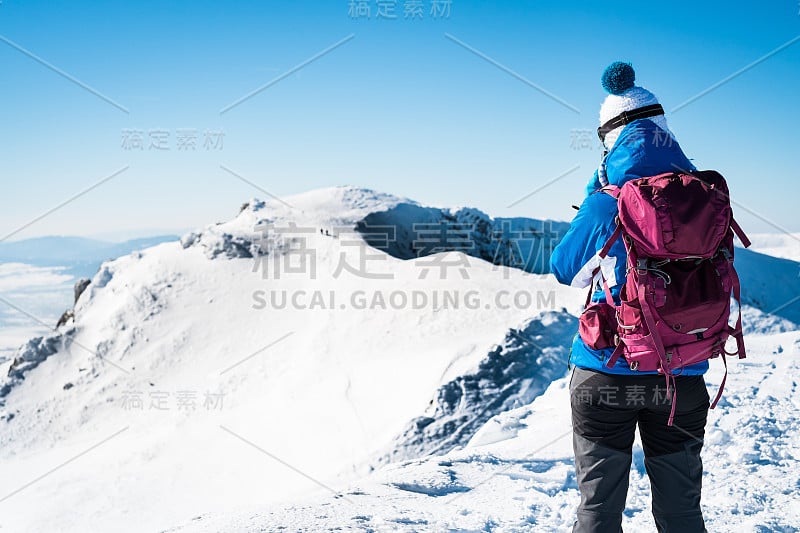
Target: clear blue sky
(399, 107)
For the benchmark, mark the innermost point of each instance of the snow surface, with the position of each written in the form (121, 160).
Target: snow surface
(250, 416)
(516, 474)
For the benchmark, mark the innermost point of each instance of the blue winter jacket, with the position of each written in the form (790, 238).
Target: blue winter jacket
(642, 149)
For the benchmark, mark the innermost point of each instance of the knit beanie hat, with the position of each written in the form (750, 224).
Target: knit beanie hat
(618, 81)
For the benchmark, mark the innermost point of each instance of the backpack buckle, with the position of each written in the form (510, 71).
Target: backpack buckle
(641, 266)
(727, 254)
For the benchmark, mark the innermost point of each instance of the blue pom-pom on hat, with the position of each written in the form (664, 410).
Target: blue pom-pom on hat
(618, 77)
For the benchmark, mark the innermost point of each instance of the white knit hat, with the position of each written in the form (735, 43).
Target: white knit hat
(618, 80)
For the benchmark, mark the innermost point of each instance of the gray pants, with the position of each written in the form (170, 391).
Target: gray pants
(606, 409)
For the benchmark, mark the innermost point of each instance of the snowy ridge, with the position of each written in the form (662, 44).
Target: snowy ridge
(401, 227)
(170, 368)
(328, 209)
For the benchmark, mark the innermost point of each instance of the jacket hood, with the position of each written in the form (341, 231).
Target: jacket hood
(644, 149)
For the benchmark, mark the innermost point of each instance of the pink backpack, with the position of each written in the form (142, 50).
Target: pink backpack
(675, 304)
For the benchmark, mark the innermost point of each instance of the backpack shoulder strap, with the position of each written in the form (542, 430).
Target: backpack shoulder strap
(603, 253)
(611, 190)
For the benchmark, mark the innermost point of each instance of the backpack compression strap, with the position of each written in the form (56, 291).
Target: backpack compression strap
(737, 229)
(736, 331)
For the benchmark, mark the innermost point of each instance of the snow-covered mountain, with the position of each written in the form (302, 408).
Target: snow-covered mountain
(277, 356)
(178, 355)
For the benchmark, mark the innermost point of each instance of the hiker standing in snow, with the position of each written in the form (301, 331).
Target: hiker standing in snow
(608, 403)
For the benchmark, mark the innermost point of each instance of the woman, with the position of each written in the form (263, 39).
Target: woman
(609, 403)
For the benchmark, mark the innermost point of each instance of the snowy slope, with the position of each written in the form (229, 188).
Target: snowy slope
(770, 283)
(512, 374)
(184, 387)
(157, 396)
(516, 474)
(37, 275)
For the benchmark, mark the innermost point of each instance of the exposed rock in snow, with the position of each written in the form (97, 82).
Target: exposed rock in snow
(29, 356)
(227, 245)
(513, 374)
(79, 287)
